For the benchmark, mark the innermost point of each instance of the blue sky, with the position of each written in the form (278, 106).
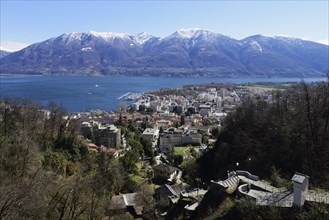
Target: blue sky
(25, 22)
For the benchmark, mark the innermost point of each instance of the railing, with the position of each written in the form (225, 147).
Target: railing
(317, 197)
(279, 203)
(242, 190)
(283, 199)
(247, 174)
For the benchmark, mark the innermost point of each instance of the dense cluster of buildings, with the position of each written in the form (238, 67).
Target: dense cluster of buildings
(182, 116)
(205, 103)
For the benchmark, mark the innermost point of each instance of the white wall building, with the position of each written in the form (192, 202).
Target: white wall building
(150, 134)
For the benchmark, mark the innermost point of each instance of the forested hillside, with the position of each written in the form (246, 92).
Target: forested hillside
(47, 172)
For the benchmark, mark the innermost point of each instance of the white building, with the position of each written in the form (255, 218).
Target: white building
(205, 110)
(150, 134)
(169, 140)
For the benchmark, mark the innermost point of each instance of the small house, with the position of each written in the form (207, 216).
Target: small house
(123, 203)
(165, 172)
(169, 194)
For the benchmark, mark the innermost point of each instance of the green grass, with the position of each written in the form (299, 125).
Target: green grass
(139, 165)
(141, 175)
(138, 179)
(260, 87)
(180, 150)
(286, 84)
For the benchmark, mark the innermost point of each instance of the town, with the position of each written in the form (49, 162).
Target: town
(187, 119)
(165, 130)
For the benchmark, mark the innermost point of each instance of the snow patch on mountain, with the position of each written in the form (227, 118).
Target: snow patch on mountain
(255, 46)
(291, 40)
(107, 36)
(194, 36)
(139, 39)
(283, 38)
(71, 37)
(188, 33)
(87, 49)
(142, 38)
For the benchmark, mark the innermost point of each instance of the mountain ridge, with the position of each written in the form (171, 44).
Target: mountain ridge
(4, 53)
(186, 52)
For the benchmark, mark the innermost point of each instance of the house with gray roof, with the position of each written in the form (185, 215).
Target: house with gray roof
(123, 203)
(165, 172)
(169, 194)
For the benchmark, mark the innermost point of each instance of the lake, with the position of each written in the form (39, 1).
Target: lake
(78, 93)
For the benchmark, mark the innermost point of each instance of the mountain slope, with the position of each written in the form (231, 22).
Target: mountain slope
(4, 53)
(284, 56)
(187, 52)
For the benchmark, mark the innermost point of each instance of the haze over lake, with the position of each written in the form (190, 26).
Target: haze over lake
(85, 93)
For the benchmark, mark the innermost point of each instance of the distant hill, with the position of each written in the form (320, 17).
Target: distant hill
(187, 52)
(4, 53)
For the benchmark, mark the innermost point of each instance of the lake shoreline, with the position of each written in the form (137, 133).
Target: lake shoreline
(80, 93)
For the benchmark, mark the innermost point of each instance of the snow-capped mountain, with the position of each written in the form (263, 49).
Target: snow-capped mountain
(186, 52)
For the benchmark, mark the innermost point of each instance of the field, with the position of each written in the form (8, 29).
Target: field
(265, 88)
(185, 151)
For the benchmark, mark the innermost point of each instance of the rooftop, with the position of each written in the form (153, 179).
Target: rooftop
(107, 126)
(150, 131)
(299, 178)
(165, 168)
